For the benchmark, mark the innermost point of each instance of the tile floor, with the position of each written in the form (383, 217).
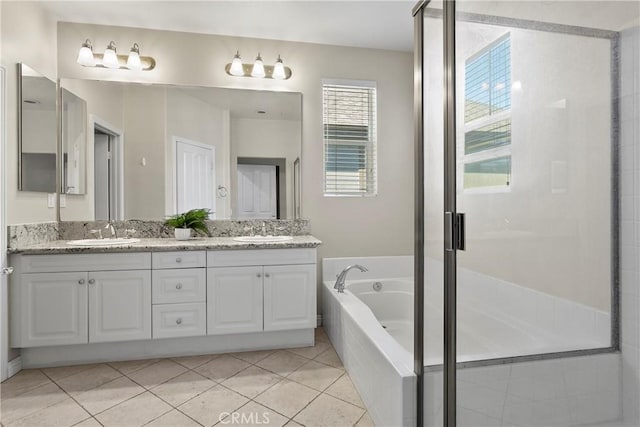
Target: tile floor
(302, 386)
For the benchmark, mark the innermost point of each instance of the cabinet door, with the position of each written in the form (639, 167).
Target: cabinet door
(289, 297)
(234, 300)
(119, 305)
(53, 309)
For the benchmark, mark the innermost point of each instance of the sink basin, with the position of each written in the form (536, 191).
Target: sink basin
(102, 242)
(262, 239)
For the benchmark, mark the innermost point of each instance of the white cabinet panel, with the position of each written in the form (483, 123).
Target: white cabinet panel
(179, 320)
(234, 300)
(85, 262)
(289, 297)
(261, 257)
(181, 259)
(119, 305)
(53, 309)
(180, 285)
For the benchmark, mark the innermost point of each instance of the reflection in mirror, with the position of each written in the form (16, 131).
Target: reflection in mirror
(74, 142)
(156, 150)
(37, 131)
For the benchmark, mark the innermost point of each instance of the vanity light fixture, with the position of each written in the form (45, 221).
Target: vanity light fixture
(85, 55)
(258, 69)
(111, 59)
(133, 61)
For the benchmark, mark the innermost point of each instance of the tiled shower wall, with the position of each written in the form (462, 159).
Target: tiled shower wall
(630, 222)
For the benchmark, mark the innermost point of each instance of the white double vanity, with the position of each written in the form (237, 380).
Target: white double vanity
(155, 298)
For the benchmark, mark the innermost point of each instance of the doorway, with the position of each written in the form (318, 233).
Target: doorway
(107, 172)
(262, 188)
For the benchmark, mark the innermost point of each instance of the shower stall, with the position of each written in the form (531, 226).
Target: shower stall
(526, 209)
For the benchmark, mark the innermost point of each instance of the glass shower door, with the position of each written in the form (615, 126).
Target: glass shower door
(517, 252)
(536, 180)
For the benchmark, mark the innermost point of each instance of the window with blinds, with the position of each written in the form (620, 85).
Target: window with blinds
(349, 126)
(487, 117)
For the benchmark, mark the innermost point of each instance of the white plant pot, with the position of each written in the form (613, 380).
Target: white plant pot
(182, 233)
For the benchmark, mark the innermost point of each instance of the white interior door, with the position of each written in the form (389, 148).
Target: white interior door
(257, 191)
(195, 176)
(102, 179)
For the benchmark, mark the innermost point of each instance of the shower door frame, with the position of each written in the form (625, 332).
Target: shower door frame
(452, 227)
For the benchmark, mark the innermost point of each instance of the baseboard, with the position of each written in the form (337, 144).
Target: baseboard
(14, 366)
(319, 320)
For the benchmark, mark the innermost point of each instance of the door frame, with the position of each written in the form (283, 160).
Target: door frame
(4, 294)
(117, 160)
(171, 196)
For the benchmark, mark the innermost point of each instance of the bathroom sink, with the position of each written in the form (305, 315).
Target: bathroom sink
(102, 242)
(262, 239)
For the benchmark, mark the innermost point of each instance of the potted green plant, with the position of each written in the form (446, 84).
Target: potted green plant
(183, 223)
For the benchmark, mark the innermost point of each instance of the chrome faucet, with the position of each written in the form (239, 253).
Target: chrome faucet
(112, 229)
(343, 275)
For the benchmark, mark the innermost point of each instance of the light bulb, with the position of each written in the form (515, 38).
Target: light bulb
(236, 66)
(110, 58)
(258, 68)
(85, 55)
(278, 70)
(133, 61)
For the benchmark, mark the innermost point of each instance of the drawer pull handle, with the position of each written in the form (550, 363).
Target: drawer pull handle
(81, 282)
(178, 321)
(178, 260)
(258, 275)
(92, 281)
(179, 286)
(266, 275)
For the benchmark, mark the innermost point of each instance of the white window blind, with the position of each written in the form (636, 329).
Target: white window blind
(349, 122)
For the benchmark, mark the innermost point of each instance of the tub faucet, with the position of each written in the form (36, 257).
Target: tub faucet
(343, 275)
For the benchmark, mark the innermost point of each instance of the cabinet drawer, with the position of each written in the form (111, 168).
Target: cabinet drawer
(182, 259)
(261, 257)
(179, 285)
(179, 320)
(85, 262)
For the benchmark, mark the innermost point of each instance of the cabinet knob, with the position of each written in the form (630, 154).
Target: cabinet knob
(258, 275)
(91, 281)
(266, 274)
(81, 282)
(178, 260)
(178, 321)
(179, 286)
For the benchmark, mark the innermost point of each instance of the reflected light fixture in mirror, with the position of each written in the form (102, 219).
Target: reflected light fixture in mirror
(258, 69)
(111, 59)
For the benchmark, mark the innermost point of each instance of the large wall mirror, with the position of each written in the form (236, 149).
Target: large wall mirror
(155, 150)
(37, 130)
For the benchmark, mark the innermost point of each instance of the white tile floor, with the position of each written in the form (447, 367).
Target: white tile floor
(302, 386)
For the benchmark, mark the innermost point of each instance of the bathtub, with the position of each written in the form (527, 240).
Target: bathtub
(371, 328)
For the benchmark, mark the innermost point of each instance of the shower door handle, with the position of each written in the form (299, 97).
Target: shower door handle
(454, 232)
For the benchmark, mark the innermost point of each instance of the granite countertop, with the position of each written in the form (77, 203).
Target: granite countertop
(164, 245)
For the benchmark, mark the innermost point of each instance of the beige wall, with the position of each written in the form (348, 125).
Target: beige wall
(28, 36)
(380, 225)
(265, 138)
